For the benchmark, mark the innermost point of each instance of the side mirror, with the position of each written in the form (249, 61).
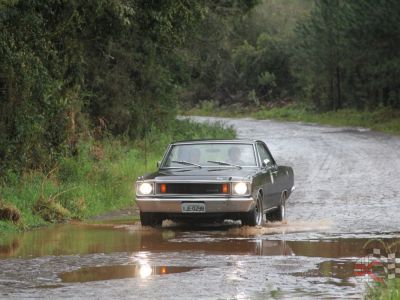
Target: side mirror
(158, 164)
(267, 164)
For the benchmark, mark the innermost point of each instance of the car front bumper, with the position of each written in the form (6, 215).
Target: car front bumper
(212, 205)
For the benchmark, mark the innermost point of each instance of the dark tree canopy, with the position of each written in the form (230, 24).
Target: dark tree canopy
(70, 69)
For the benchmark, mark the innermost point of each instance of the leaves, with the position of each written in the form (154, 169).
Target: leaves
(67, 64)
(347, 52)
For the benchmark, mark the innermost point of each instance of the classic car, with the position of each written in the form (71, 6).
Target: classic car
(214, 180)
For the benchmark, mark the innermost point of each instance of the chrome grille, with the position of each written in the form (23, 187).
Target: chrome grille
(190, 188)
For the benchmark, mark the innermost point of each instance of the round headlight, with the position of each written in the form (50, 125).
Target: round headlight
(145, 188)
(145, 271)
(240, 188)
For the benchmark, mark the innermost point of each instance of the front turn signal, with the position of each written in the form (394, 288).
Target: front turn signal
(225, 188)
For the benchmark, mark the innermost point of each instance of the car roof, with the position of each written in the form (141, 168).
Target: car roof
(216, 141)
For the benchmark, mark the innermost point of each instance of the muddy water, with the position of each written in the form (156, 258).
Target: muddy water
(345, 208)
(119, 272)
(176, 261)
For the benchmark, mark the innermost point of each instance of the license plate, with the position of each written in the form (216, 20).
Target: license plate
(193, 208)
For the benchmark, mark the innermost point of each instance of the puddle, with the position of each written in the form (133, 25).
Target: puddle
(282, 227)
(329, 261)
(70, 239)
(81, 239)
(119, 272)
(339, 271)
(236, 253)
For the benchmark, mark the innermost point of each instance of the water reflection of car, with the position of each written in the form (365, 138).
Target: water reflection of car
(175, 241)
(215, 180)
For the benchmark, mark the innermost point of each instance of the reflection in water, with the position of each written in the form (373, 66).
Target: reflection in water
(69, 240)
(144, 268)
(87, 239)
(342, 270)
(229, 240)
(142, 271)
(9, 246)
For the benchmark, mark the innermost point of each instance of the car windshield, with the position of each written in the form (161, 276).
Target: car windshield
(210, 155)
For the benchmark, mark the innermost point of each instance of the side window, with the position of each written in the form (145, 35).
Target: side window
(264, 154)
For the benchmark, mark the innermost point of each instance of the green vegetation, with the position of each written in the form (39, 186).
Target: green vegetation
(82, 81)
(326, 55)
(71, 68)
(382, 119)
(81, 84)
(98, 179)
(244, 60)
(389, 290)
(346, 55)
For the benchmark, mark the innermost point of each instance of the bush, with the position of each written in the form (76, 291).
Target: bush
(89, 184)
(8, 212)
(50, 210)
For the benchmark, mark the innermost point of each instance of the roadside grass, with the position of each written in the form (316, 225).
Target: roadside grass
(99, 179)
(390, 290)
(383, 119)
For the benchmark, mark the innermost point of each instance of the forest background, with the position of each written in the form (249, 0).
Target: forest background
(90, 89)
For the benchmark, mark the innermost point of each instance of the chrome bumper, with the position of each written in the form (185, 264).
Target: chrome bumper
(212, 205)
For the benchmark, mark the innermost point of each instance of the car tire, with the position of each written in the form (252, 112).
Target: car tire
(150, 219)
(277, 214)
(254, 217)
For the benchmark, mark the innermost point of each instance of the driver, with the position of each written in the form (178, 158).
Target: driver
(234, 154)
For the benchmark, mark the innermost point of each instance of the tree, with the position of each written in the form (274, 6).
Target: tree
(347, 54)
(67, 66)
(319, 55)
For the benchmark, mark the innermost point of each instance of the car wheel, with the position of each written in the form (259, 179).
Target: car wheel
(150, 219)
(277, 214)
(255, 216)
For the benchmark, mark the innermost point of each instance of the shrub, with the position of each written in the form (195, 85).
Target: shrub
(50, 210)
(9, 212)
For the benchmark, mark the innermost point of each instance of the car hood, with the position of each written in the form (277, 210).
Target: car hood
(220, 174)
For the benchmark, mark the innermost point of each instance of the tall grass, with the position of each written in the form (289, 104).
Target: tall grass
(100, 178)
(389, 290)
(382, 119)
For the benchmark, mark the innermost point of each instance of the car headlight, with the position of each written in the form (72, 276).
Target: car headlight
(144, 188)
(145, 271)
(240, 188)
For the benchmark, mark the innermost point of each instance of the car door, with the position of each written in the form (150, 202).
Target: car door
(270, 170)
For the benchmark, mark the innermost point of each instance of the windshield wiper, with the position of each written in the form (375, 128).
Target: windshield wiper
(184, 162)
(222, 163)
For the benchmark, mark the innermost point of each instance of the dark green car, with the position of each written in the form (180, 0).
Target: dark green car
(214, 180)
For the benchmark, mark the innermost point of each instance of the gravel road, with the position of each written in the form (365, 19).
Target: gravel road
(348, 193)
(347, 176)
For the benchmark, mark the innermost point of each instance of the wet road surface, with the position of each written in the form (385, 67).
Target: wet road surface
(348, 176)
(346, 204)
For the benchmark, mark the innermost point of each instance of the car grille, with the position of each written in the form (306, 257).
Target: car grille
(192, 188)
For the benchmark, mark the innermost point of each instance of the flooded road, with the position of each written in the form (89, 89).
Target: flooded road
(345, 208)
(218, 262)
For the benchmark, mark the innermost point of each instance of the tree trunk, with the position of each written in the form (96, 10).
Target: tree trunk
(338, 88)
